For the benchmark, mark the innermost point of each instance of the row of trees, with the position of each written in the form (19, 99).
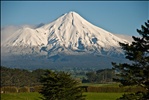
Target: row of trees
(100, 76)
(20, 77)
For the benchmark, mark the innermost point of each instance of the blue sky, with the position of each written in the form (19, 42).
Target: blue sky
(122, 17)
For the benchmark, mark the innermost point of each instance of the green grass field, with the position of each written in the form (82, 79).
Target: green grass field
(36, 96)
(21, 96)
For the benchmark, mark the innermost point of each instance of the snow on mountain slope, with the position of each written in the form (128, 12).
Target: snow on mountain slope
(69, 32)
(72, 32)
(7, 31)
(26, 37)
(68, 36)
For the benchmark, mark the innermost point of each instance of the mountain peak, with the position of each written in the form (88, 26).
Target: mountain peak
(71, 15)
(72, 12)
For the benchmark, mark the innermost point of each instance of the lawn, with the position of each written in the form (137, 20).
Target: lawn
(21, 96)
(36, 96)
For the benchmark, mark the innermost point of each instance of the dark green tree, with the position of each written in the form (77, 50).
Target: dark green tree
(100, 76)
(135, 73)
(91, 77)
(60, 86)
(36, 74)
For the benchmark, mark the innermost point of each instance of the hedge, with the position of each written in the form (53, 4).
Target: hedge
(112, 89)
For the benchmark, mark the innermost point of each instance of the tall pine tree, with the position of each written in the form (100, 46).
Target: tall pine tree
(135, 73)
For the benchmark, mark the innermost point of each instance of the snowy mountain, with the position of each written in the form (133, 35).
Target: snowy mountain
(69, 35)
(6, 31)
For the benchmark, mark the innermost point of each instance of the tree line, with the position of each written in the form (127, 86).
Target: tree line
(100, 76)
(22, 77)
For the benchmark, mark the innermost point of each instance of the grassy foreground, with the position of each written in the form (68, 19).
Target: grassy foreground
(21, 96)
(36, 96)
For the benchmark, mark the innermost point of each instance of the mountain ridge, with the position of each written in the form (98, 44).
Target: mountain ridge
(69, 31)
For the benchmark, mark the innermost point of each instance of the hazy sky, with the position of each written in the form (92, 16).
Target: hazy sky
(122, 17)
